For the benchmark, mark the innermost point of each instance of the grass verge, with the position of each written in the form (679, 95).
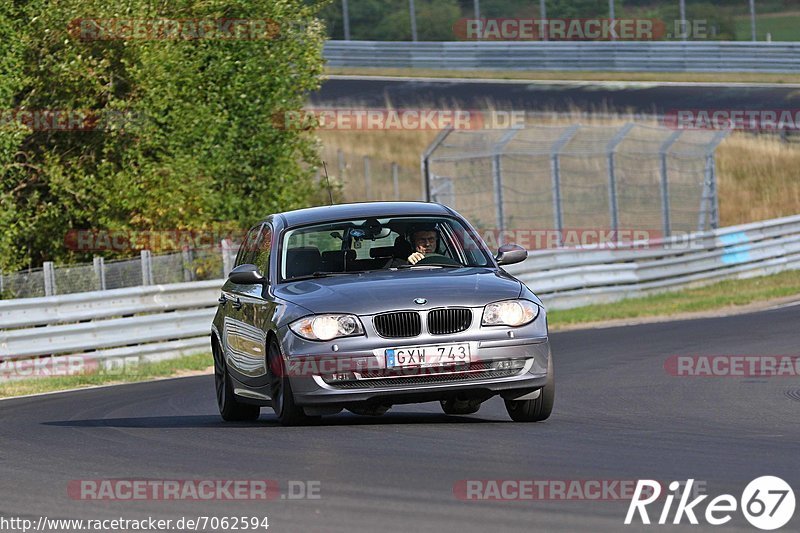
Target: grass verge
(544, 75)
(723, 296)
(781, 26)
(142, 372)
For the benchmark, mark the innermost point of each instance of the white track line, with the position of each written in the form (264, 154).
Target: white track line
(576, 83)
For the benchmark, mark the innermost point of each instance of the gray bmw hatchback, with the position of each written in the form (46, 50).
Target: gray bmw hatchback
(364, 306)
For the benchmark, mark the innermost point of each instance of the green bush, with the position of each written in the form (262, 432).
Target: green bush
(197, 146)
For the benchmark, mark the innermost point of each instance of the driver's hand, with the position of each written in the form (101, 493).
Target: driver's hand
(415, 257)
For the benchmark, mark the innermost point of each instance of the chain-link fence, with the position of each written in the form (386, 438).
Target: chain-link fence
(366, 178)
(148, 269)
(559, 178)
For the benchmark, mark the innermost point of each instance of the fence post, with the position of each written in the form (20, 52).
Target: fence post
(367, 179)
(188, 259)
(225, 246)
(342, 164)
(424, 163)
(49, 278)
(555, 173)
(100, 271)
(711, 178)
(396, 180)
(665, 207)
(346, 19)
(497, 179)
(147, 268)
(612, 178)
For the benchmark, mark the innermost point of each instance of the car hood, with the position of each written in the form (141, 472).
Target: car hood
(375, 292)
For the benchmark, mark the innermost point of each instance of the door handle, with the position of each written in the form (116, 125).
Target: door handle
(222, 300)
(237, 304)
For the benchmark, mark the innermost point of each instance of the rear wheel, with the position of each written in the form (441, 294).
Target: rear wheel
(454, 406)
(288, 412)
(230, 408)
(537, 409)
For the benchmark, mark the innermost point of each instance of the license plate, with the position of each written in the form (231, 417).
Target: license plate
(445, 354)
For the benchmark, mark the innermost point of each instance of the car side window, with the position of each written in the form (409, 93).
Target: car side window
(245, 250)
(261, 250)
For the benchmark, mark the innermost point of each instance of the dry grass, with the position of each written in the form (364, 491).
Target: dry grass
(383, 148)
(757, 175)
(758, 179)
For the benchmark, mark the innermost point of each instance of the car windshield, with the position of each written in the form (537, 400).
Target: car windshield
(353, 246)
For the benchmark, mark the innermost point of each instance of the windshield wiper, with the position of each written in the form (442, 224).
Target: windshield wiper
(320, 274)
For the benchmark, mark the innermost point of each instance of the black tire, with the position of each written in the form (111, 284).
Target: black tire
(454, 406)
(537, 409)
(289, 413)
(230, 408)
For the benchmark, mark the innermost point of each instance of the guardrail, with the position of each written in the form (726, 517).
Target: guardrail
(566, 278)
(657, 56)
(161, 321)
(97, 328)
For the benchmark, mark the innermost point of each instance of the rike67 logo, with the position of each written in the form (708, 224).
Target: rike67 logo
(767, 502)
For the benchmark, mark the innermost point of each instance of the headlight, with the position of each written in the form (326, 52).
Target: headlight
(327, 327)
(510, 313)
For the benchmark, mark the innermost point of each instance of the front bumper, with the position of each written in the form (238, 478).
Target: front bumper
(504, 360)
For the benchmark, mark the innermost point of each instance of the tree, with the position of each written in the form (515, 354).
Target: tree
(180, 130)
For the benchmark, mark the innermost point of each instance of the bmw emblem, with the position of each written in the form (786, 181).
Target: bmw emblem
(420, 301)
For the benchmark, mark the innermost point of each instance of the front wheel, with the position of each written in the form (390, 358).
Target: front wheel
(537, 409)
(230, 408)
(289, 413)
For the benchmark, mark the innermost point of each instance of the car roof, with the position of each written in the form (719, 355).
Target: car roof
(360, 210)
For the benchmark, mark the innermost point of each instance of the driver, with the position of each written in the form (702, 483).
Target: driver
(425, 241)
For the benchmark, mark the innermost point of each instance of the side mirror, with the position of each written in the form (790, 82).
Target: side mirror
(509, 254)
(247, 275)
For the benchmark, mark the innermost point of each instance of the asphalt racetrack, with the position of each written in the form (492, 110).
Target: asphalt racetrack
(619, 415)
(636, 97)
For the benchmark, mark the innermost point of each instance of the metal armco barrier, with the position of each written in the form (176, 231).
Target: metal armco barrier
(161, 321)
(565, 278)
(145, 323)
(655, 56)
